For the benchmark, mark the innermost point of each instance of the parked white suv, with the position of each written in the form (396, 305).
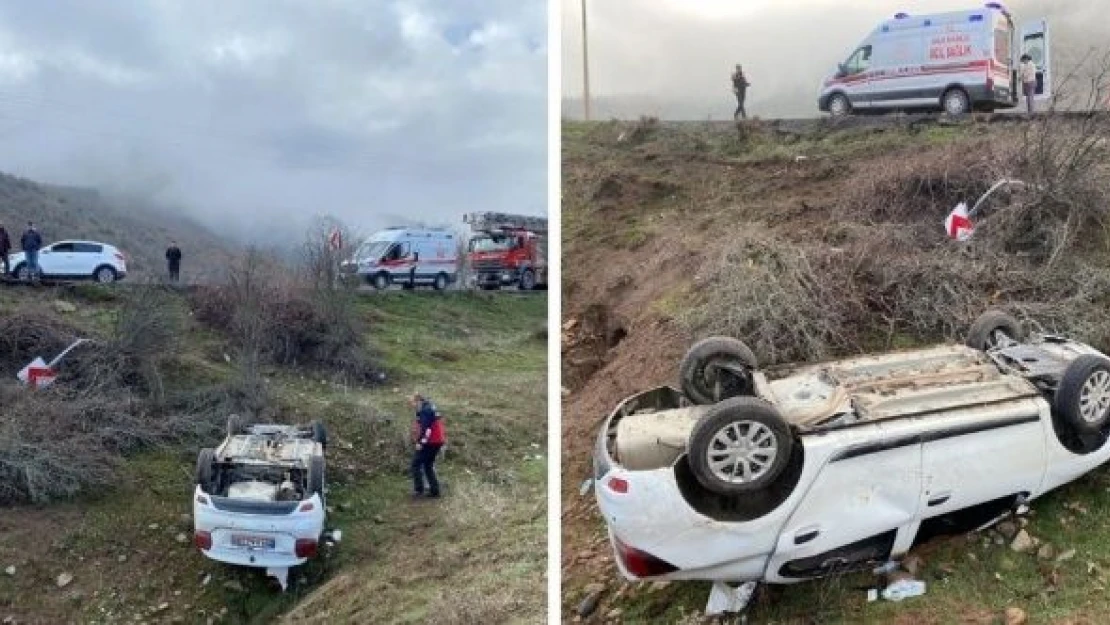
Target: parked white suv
(259, 497)
(74, 260)
(791, 473)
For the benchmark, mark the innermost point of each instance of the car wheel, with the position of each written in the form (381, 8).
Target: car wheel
(320, 433)
(206, 461)
(956, 102)
(381, 281)
(316, 475)
(22, 272)
(441, 282)
(992, 329)
(527, 280)
(234, 425)
(717, 368)
(839, 106)
(1083, 395)
(739, 446)
(104, 274)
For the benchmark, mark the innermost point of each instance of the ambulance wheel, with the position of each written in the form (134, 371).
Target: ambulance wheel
(839, 106)
(986, 330)
(441, 282)
(380, 281)
(717, 368)
(956, 102)
(740, 445)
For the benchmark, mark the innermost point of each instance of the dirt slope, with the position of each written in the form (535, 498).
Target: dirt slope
(808, 242)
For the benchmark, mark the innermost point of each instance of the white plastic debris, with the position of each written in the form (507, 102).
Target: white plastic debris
(586, 486)
(904, 589)
(872, 594)
(724, 598)
(281, 574)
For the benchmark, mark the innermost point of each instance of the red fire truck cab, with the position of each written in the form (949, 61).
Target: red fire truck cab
(507, 250)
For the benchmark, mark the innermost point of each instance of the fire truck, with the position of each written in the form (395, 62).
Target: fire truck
(507, 250)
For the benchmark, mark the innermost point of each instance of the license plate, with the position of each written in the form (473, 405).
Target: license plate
(252, 542)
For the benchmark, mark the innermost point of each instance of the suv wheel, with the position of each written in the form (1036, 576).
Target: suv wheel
(1083, 397)
(993, 329)
(104, 274)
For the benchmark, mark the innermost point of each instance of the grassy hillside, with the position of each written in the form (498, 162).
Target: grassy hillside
(476, 556)
(817, 241)
(142, 232)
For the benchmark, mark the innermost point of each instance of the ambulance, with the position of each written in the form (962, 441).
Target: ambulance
(407, 256)
(954, 62)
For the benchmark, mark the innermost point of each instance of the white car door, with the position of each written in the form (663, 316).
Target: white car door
(1035, 43)
(857, 79)
(864, 493)
(56, 259)
(978, 462)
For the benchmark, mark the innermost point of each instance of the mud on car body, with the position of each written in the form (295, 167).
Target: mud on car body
(788, 474)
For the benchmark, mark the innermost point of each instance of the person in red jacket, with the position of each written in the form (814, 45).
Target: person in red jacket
(429, 437)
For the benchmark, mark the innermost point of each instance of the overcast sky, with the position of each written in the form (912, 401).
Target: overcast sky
(257, 114)
(673, 58)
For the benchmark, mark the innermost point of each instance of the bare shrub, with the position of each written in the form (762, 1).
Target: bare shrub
(789, 302)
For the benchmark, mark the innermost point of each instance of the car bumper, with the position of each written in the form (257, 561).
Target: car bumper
(283, 530)
(645, 513)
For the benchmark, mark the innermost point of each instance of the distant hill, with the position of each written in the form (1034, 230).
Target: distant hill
(142, 232)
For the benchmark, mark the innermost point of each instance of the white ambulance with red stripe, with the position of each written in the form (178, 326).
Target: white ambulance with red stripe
(424, 257)
(955, 62)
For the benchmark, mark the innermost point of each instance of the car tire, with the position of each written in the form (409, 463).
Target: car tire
(745, 432)
(981, 336)
(1082, 398)
(206, 461)
(104, 274)
(839, 105)
(441, 282)
(701, 368)
(380, 281)
(316, 475)
(955, 102)
(235, 425)
(21, 272)
(320, 434)
(527, 280)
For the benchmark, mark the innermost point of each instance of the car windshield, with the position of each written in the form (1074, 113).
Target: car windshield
(373, 250)
(491, 243)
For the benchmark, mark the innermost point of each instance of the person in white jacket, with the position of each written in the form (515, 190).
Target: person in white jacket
(1028, 74)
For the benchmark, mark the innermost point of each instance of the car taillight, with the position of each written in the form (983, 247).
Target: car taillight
(305, 548)
(641, 563)
(307, 506)
(618, 485)
(203, 540)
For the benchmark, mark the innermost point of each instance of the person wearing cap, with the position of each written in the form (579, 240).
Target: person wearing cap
(1028, 74)
(5, 248)
(428, 438)
(740, 86)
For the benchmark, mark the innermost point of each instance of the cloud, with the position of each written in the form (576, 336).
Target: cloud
(270, 111)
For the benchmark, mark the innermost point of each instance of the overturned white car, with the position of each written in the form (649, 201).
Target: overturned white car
(259, 497)
(787, 474)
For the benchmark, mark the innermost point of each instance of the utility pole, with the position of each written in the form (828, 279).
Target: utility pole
(585, 64)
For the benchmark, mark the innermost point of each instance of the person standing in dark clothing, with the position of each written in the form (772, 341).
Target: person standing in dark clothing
(429, 437)
(740, 86)
(173, 261)
(5, 249)
(31, 242)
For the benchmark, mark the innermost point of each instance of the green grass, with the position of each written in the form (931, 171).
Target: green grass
(493, 393)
